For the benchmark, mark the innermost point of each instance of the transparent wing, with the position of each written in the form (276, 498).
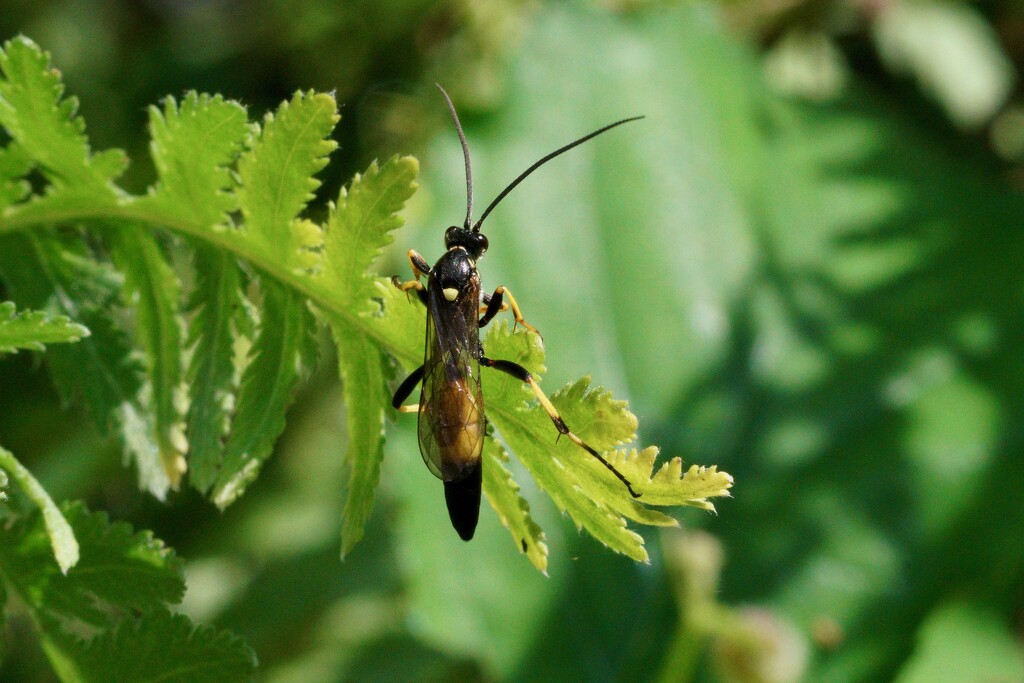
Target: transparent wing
(451, 417)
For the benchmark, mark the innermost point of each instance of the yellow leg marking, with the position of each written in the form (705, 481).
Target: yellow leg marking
(409, 409)
(415, 283)
(503, 290)
(545, 402)
(407, 286)
(413, 257)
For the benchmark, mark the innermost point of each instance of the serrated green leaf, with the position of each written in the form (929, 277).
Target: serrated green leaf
(531, 436)
(277, 179)
(578, 483)
(33, 329)
(193, 145)
(58, 274)
(267, 385)
(362, 374)
(592, 411)
(360, 226)
(165, 648)
(595, 413)
(513, 511)
(400, 327)
(34, 113)
(151, 290)
(216, 302)
(120, 572)
(118, 569)
(14, 164)
(62, 538)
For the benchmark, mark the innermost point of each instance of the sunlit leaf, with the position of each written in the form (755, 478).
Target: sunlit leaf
(358, 227)
(514, 512)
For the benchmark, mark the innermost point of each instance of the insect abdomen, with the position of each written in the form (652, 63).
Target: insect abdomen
(458, 429)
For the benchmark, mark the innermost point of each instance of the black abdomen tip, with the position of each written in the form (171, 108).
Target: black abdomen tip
(463, 499)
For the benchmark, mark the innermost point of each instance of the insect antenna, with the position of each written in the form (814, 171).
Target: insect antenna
(543, 160)
(465, 154)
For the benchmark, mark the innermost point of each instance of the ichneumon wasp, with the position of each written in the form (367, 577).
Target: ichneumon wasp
(451, 407)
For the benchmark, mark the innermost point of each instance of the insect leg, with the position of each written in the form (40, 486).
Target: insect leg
(522, 374)
(418, 263)
(495, 303)
(419, 267)
(404, 389)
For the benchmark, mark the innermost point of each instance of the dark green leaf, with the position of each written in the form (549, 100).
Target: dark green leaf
(59, 275)
(117, 569)
(151, 289)
(276, 358)
(217, 303)
(161, 647)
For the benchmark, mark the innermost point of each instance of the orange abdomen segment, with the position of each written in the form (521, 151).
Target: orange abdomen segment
(458, 429)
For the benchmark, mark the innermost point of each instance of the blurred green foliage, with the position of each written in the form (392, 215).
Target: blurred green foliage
(809, 276)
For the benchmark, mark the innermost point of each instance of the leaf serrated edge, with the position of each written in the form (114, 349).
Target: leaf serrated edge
(62, 537)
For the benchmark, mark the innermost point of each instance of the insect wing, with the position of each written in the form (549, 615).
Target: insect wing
(451, 418)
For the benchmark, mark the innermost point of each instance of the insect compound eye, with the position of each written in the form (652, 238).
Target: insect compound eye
(481, 244)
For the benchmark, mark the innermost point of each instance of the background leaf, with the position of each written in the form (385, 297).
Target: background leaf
(33, 329)
(151, 288)
(59, 274)
(62, 538)
(167, 648)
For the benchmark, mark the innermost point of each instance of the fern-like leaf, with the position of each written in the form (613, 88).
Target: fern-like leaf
(118, 570)
(358, 227)
(217, 304)
(119, 590)
(193, 147)
(44, 123)
(151, 289)
(33, 329)
(277, 180)
(577, 482)
(282, 347)
(502, 493)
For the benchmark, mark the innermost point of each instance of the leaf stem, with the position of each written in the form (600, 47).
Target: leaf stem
(225, 238)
